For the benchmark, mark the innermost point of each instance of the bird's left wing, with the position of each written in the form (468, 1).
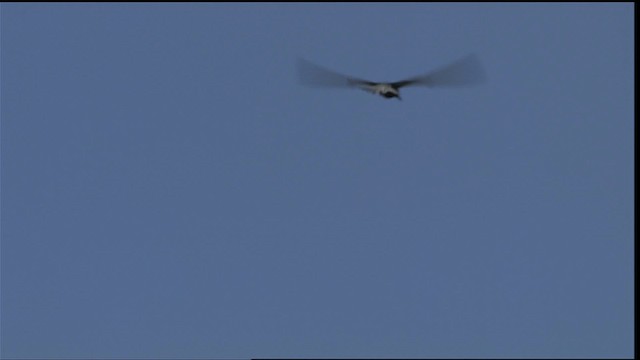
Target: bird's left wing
(315, 75)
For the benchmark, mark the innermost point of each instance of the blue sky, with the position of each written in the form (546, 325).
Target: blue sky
(169, 190)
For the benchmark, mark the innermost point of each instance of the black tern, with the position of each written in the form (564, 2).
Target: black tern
(464, 72)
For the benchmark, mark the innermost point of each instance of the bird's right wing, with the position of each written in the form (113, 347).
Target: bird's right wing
(466, 71)
(313, 75)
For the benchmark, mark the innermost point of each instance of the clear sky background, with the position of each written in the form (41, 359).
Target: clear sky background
(169, 190)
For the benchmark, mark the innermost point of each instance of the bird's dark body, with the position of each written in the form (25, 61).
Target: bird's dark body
(390, 95)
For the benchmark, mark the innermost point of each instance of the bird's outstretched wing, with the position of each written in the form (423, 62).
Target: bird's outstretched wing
(466, 71)
(314, 75)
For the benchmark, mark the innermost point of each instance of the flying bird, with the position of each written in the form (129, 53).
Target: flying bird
(463, 72)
